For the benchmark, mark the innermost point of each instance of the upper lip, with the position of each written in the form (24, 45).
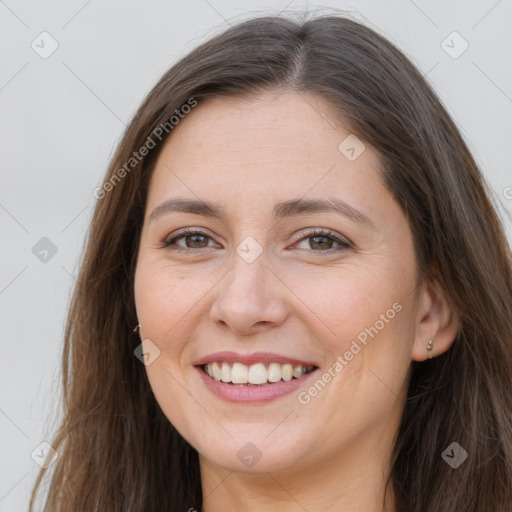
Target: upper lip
(248, 359)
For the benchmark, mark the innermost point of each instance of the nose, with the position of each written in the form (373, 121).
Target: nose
(250, 298)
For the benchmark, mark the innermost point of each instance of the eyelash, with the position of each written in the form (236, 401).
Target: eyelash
(327, 233)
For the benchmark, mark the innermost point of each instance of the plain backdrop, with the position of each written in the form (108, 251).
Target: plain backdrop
(63, 113)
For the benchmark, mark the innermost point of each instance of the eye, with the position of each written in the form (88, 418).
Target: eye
(323, 240)
(319, 240)
(192, 239)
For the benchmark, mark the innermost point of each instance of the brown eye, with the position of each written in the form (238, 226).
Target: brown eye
(192, 240)
(323, 241)
(320, 242)
(196, 241)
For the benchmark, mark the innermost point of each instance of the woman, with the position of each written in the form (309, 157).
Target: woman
(320, 288)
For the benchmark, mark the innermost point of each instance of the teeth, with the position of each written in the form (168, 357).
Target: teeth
(239, 374)
(274, 372)
(225, 372)
(297, 371)
(217, 373)
(287, 372)
(256, 374)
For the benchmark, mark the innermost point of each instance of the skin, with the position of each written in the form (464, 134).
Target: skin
(304, 296)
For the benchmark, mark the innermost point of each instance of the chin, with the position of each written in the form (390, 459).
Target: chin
(258, 455)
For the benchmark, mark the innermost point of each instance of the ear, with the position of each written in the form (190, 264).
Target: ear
(436, 319)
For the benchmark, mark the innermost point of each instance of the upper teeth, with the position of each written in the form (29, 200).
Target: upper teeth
(256, 373)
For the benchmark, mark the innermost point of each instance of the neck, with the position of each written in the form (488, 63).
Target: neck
(352, 482)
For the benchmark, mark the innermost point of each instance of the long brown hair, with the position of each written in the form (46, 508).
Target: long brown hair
(117, 450)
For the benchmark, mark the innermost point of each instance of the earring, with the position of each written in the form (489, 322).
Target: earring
(136, 327)
(429, 347)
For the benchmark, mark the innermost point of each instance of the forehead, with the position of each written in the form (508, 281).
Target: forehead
(266, 126)
(275, 146)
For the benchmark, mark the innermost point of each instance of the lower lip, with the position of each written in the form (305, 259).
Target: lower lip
(241, 394)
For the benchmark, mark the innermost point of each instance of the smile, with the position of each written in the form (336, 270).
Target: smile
(261, 378)
(259, 374)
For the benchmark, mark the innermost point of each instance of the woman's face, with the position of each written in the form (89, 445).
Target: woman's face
(301, 256)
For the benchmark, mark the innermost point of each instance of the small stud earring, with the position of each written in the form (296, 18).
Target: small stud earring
(429, 347)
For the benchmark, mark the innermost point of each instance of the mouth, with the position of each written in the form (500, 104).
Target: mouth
(253, 379)
(255, 375)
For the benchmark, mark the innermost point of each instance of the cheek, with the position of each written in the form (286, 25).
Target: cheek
(362, 316)
(165, 301)
(365, 328)
(348, 300)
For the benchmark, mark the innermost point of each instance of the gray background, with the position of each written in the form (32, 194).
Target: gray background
(62, 116)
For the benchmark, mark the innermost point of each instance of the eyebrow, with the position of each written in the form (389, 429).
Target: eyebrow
(281, 210)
